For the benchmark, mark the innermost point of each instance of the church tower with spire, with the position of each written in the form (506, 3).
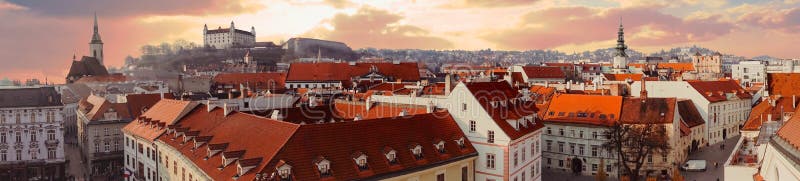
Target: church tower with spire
(620, 63)
(96, 45)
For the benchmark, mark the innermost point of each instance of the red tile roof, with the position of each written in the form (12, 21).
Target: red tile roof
(541, 94)
(138, 103)
(239, 134)
(166, 111)
(760, 113)
(259, 81)
(584, 109)
(785, 84)
(651, 110)
(329, 71)
(715, 91)
(95, 106)
(350, 110)
(434, 89)
(681, 66)
(689, 113)
(500, 101)
(623, 77)
(534, 72)
(790, 131)
(339, 142)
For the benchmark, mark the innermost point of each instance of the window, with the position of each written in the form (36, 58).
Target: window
(560, 163)
(2, 119)
(116, 144)
(391, 157)
(464, 173)
(105, 131)
(33, 117)
(581, 134)
(33, 135)
(464, 106)
(561, 147)
(549, 131)
(19, 154)
(439, 146)
(19, 118)
(51, 134)
(664, 158)
(19, 137)
(3, 155)
(594, 134)
(523, 154)
(175, 167)
(472, 126)
(324, 167)
(594, 167)
(515, 158)
(491, 136)
(561, 131)
(548, 145)
(572, 148)
(96, 147)
(536, 148)
(490, 161)
(594, 150)
(580, 149)
(417, 151)
(361, 161)
(3, 137)
(523, 175)
(649, 158)
(33, 155)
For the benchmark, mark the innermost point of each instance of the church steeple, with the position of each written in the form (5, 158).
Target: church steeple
(96, 45)
(96, 34)
(621, 47)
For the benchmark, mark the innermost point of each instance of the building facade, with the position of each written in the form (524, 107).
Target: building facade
(724, 105)
(228, 37)
(99, 135)
(748, 72)
(31, 134)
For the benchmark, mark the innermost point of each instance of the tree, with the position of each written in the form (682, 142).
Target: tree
(601, 172)
(633, 143)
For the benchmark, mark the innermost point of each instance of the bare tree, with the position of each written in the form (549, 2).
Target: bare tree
(633, 143)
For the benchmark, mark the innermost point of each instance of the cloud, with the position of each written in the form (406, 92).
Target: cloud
(553, 27)
(339, 4)
(371, 27)
(39, 46)
(488, 3)
(784, 20)
(115, 8)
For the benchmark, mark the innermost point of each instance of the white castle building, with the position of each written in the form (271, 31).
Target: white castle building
(228, 37)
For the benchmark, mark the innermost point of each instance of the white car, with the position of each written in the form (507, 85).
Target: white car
(694, 165)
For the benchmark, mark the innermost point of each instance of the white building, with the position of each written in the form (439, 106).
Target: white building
(783, 66)
(228, 37)
(498, 122)
(724, 105)
(31, 134)
(749, 72)
(141, 152)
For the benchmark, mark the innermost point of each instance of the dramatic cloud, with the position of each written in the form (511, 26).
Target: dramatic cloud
(42, 46)
(114, 8)
(555, 27)
(785, 20)
(371, 27)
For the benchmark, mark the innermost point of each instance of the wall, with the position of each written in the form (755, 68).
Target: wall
(451, 171)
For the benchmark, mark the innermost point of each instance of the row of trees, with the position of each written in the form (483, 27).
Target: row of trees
(167, 48)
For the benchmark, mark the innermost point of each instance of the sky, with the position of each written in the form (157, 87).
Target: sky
(40, 37)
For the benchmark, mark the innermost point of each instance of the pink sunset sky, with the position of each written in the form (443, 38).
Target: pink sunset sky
(40, 37)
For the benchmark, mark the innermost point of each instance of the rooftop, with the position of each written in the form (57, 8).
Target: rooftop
(584, 109)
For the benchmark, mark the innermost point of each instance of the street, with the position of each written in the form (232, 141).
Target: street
(712, 154)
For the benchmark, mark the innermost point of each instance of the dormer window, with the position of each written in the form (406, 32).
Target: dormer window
(417, 151)
(323, 166)
(460, 143)
(391, 157)
(440, 147)
(284, 170)
(361, 161)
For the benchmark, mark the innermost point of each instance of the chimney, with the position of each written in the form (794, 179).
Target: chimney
(276, 115)
(769, 117)
(209, 106)
(643, 93)
(569, 85)
(403, 113)
(447, 83)
(794, 101)
(430, 107)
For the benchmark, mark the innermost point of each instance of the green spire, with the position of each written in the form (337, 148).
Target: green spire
(621, 47)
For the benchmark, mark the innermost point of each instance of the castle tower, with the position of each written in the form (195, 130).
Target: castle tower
(96, 45)
(620, 57)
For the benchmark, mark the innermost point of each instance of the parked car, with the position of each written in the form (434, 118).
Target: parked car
(694, 165)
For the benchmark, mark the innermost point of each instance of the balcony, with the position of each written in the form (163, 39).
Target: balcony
(51, 143)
